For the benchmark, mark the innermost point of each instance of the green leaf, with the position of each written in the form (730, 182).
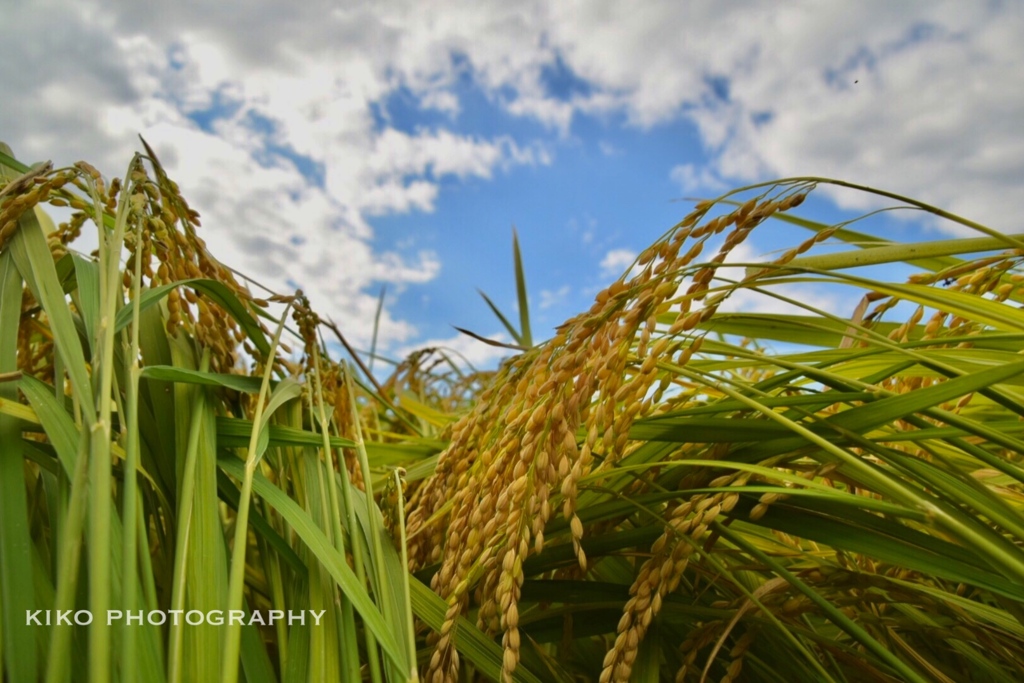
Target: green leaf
(17, 592)
(504, 321)
(235, 432)
(526, 337)
(35, 263)
(285, 391)
(970, 307)
(932, 256)
(56, 421)
(470, 641)
(860, 532)
(170, 373)
(255, 660)
(794, 329)
(229, 493)
(317, 542)
(218, 292)
(87, 276)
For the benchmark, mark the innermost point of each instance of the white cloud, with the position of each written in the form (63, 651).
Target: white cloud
(829, 298)
(929, 115)
(585, 227)
(441, 100)
(550, 298)
(691, 179)
(616, 261)
(834, 300)
(610, 150)
(462, 347)
(397, 154)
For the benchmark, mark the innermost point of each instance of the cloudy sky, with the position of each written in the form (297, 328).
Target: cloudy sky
(345, 146)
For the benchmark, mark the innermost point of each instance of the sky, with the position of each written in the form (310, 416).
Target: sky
(346, 147)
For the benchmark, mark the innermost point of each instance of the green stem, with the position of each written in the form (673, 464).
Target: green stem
(891, 253)
(129, 557)
(236, 583)
(100, 470)
(349, 645)
(833, 612)
(185, 509)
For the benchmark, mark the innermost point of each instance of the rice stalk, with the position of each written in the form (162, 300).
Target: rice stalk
(662, 490)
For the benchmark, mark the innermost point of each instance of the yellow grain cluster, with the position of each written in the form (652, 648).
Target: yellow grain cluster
(561, 412)
(160, 231)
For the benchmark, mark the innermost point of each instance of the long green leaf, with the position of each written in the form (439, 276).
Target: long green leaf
(17, 593)
(218, 292)
(471, 642)
(285, 391)
(317, 542)
(57, 423)
(166, 373)
(35, 263)
(526, 336)
(234, 431)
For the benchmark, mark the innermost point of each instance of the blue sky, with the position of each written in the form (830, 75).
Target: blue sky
(607, 188)
(345, 147)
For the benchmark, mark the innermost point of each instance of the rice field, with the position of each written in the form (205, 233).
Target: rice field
(665, 490)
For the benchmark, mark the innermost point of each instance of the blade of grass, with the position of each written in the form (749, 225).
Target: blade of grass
(471, 642)
(35, 263)
(229, 672)
(131, 507)
(186, 545)
(834, 613)
(397, 613)
(231, 431)
(343, 541)
(504, 321)
(101, 510)
(17, 594)
(526, 336)
(899, 253)
(218, 292)
(376, 326)
(323, 550)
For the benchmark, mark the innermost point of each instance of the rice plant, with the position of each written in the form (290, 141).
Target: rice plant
(662, 491)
